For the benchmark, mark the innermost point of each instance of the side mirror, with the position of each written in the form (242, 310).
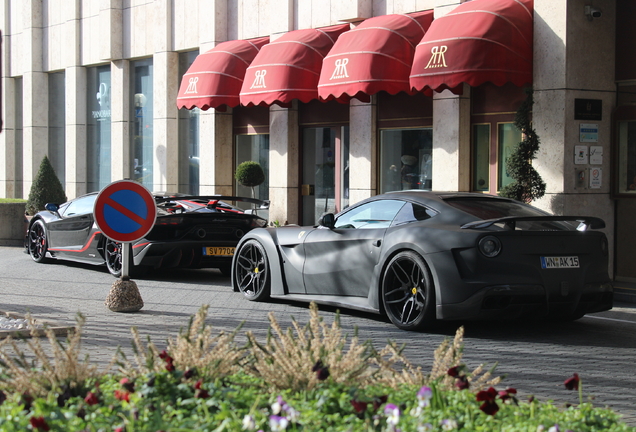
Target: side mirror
(327, 220)
(52, 207)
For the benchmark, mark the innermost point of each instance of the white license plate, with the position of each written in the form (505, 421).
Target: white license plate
(560, 262)
(218, 251)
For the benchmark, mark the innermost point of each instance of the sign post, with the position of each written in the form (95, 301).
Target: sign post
(125, 211)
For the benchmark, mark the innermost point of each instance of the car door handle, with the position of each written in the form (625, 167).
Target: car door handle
(377, 243)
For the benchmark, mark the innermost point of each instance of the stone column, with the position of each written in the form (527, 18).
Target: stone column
(35, 94)
(120, 120)
(451, 141)
(166, 88)
(362, 149)
(8, 148)
(76, 161)
(215, 149)
(284, 192)
(573, 53)
(75, 96)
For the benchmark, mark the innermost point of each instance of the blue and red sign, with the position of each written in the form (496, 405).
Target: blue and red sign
(125, 211)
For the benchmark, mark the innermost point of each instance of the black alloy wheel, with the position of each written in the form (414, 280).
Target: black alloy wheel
(251, 271)
(408, 293)
(113, 256)
(38, 243)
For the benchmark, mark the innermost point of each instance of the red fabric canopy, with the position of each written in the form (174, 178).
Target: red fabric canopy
(377, 55)
(214, 79)
(479, 41)
(289, 67)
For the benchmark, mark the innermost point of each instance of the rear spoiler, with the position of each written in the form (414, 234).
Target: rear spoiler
(263, 204)
(510, 222)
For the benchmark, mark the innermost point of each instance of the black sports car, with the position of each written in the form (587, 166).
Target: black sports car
(190, 231)
(419, 256)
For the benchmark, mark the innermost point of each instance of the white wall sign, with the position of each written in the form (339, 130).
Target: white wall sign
(588, 132)
(596, 155)
(596, 178)
(580, 154)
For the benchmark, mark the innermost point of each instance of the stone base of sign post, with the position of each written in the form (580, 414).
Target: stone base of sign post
(124, 296)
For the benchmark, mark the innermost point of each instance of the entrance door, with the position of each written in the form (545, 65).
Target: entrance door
(325, 175)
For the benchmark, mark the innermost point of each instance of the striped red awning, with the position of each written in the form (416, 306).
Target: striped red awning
(215, 77)
(289, 67)
(479, 41)
(376, 55)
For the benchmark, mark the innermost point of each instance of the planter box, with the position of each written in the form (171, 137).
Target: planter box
(13, 224)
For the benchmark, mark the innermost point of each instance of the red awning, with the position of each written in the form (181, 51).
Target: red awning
(376, 55)
(479, 41)
(289, 67)
(215, 77)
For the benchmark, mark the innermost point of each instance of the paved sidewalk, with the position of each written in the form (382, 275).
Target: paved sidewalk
(535, 357)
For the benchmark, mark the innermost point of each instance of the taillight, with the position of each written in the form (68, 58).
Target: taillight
(169, 221)
(490, 246)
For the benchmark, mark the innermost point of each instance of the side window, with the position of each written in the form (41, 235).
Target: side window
(80, 206)
(376, 214)
(412, 213)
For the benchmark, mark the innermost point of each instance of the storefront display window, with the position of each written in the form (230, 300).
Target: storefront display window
(98, 151)
(253, 148)
(188, 137)
(406, 159)
(57, 121)
(484, 144)
(142, 122)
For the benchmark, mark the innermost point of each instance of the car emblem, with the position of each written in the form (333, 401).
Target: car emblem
(301, 234)
(414, 290)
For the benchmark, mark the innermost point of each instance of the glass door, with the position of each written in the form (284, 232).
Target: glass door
(325, 172)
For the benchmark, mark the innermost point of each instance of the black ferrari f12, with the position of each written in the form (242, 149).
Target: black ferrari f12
(189, 231)
(419, 256)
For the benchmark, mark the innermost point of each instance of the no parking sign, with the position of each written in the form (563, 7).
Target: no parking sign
(125, 211)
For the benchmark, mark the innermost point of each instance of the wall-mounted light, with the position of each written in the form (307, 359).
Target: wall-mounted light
(592, 12)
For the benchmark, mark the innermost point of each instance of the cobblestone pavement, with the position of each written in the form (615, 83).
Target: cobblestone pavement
(535, 358)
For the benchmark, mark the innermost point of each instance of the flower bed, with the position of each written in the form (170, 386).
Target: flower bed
(308, 378)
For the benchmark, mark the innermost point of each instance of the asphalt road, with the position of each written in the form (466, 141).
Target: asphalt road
(534, 357)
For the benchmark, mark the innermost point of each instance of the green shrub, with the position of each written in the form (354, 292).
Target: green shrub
(46, 188)
(250, 174)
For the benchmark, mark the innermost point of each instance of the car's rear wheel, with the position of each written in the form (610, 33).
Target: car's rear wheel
(251, 271)
(408, 294)
(113, 255)
(38, 243)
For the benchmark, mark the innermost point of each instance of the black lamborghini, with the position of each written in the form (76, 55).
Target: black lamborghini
(189, 231)
(419, 256)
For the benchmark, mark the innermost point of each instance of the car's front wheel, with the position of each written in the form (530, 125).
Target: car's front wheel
(38, 243)
(251, 271)
(408, 294)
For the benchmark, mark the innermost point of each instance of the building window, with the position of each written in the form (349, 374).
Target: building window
(19, 168)
(481, 157)
(406, 159)
(188, 136)
(142, 122)
(98, 152)
(484, 146)
(253, 148)
(57, 123)
(508, 137)
(626, 157)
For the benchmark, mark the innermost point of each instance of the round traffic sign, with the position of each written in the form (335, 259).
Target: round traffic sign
(125, 211)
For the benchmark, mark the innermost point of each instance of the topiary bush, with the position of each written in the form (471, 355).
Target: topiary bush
(527, 185)
(46, 188)
(250, 174)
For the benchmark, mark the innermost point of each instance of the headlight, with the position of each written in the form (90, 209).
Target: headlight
(490, 246)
